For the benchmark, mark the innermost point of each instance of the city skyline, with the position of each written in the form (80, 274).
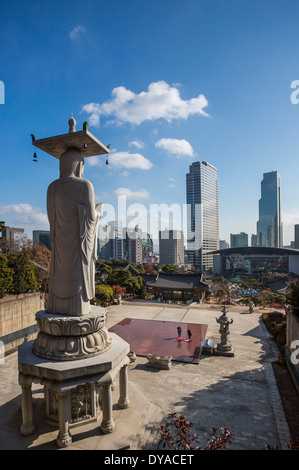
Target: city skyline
(215, 82)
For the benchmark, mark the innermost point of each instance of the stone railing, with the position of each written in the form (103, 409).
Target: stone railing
(17, 318)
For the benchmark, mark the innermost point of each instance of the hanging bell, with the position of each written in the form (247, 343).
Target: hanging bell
(107, 162)
(35, 157)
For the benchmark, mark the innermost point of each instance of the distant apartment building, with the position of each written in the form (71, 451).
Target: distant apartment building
(133, 245)
(103, 243)
(171, 247)
(296, 236)
(253, 240)
(147, 246)
(269, 226)
(110, 241)
(238, 239)
(202, 215)
(117, 242)
(42, 237)
(15, 237)
(223, 244)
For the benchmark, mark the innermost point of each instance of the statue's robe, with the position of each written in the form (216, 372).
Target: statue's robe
(73, 225)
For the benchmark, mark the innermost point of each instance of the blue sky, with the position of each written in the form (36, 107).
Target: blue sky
(166, 83)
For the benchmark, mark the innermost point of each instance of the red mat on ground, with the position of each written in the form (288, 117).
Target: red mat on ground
(160, 337)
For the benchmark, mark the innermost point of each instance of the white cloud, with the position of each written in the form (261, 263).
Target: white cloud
(129, 194)
(125, 160)
(160, 101)
(94, 161)
(76, 31)
(175, 147)
(137, 143)
(290, 218)
(129, 160)
(24, 214)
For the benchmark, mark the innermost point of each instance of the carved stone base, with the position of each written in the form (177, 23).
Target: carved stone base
(63, 338)
(159, 361)
(84, 403)
(75, 391)
(224, 350)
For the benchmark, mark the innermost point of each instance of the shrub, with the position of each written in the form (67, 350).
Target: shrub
(104, 294)
(184, 440)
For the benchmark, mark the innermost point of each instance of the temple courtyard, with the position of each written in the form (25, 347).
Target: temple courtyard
(238, 392)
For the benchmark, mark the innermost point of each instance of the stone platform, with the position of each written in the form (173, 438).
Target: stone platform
(239, 392)
(75, 391)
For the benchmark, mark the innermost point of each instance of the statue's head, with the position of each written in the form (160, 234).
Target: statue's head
(71, 163)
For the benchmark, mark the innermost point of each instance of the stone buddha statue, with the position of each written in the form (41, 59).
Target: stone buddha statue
(73, 218)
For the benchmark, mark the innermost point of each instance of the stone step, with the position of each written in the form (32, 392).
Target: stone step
(154, 435)
(149, 430)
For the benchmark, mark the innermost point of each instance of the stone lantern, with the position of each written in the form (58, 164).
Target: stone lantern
(224, 348)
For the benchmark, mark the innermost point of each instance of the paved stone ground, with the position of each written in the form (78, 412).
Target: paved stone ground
(238, 392)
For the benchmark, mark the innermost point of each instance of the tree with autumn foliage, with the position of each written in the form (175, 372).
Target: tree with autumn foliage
(184, 439)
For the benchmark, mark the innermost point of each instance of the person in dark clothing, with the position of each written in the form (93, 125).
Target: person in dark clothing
(189, 335)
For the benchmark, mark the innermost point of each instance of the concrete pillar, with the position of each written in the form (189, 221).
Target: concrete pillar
(64, 437)
(123, 401)
(108, 424)
(27, 426)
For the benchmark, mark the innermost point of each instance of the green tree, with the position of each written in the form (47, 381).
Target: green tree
(2, 226)
(3, 243)
(6, 276)
(293, 295)
(26, 274)
(103, 271)
(122, 277)
(104, 294)
(170, 268)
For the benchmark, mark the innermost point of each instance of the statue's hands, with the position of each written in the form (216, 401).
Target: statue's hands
(99, 208)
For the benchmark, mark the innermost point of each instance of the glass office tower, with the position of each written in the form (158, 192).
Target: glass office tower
(269, 227)
(202, 215)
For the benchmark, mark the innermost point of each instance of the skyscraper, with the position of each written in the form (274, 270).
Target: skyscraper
(42, 237)
(296, 236)
(202, 214)
(269, 227)
(171, 247)
(238, 239)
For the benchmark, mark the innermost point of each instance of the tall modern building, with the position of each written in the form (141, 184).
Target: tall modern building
(269, 227)
(42, 237)
(238, 239)
(202, 215)
(253, 239)
(296, 236)
(147, 246)
(15, 237)
(171, 247)
(110, 241)
(133, 245)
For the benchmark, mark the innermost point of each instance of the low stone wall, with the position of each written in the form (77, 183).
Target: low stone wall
(292, 346)
(17, 318)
